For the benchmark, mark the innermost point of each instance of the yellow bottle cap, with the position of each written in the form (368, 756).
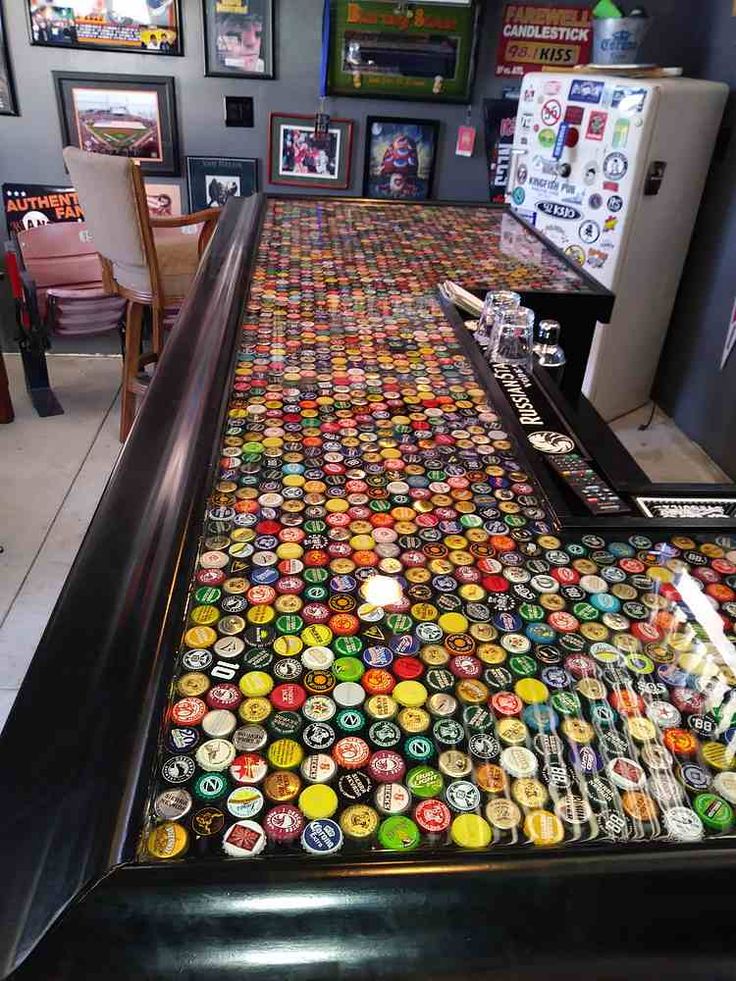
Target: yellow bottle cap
(168, 840)
(192, 684)
(200, 637)
(288, 646)
(544, 828)
(359, 822)
(285, 754)
(453, 623)
(256, 684)
(531, 691)
(289, 550)
(260, 614)
(205, 615)
(411, 694)
(316, 635)
(317, 801)
(471, 831)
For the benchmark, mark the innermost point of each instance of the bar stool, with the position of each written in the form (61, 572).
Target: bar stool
(151, 261)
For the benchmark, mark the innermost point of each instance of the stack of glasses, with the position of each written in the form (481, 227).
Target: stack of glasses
(506, 329)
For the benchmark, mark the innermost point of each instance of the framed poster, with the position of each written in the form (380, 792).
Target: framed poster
(296, 156)
(8, 100)
(402, 51)
(399, 157)
(238, 38)
(29, 205)
(122, 116)
(499, 118)
(141, 26)
(536, 37)
(164, 200)
(213, 180)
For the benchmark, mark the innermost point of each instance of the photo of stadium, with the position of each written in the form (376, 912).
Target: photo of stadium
(119, 122)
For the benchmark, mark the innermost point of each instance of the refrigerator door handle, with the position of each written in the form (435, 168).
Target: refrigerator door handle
(654, 177)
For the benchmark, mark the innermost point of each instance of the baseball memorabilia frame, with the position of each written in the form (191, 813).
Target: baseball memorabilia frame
(121, 115)
(137, 26)
(300, 157)
(238, 38)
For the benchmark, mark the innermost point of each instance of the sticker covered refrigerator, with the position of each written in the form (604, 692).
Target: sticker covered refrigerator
(611, 170)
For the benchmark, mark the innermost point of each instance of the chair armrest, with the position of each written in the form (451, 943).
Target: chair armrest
(178, 221)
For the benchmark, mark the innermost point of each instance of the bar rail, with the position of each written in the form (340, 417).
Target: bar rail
(75, 753)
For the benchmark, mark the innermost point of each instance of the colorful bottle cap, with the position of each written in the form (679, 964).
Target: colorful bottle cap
(318, 801)
(398, 833)
(168, 840)
(244, 839)
(470, 831)
(322, 837)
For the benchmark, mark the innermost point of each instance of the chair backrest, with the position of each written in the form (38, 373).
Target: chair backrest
(110, 191)
(60, 255)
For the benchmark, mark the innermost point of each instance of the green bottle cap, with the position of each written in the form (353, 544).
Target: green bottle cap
(384, 734)
(348, 646)
(398, 833)
(314, 576)
(566, 703)
(208, 594)
(424, 781)
(523, 665)
(210, 786)
(418, 749)
(715, 813)
(316, 593)
(289, 623)
(477, 718)
(285, 723)
(350, 720)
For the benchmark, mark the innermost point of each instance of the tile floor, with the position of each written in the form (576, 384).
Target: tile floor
(54, 471)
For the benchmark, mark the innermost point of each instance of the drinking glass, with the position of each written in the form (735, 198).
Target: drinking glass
(514, 338)
(494, 304)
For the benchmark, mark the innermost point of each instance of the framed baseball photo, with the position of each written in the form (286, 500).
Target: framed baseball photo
(399, 157)
(122, 116)
(214, 180)
(140, 26)
(303, 158)
(8, 100)
(238, 38)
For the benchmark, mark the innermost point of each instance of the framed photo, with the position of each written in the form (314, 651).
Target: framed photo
(164, 200)
(296, 156)
(121, 115)
(399, 157)
(8, 100)
(140, 26)
(403, 51)
(213, 180)
(238, 38)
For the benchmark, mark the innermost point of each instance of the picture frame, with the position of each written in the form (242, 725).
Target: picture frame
(298, 158)
(213, 180)
(70, 24)
(8, 98)
(425, 52)
(238, 38)
(400, 155)
(105, 113)
(163, 200)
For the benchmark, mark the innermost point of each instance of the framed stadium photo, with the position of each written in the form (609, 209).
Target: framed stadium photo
(140, 26)
(214, 180)
(399, 158)
(238, 38)
(122, 116)
(298, 156)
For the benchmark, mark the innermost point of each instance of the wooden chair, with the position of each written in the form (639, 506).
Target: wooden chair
(151, 261)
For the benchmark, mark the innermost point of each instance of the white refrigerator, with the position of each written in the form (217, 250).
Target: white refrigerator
(611, 170)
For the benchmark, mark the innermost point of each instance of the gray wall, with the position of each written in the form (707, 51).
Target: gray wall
(690, 386)
(30, 145)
